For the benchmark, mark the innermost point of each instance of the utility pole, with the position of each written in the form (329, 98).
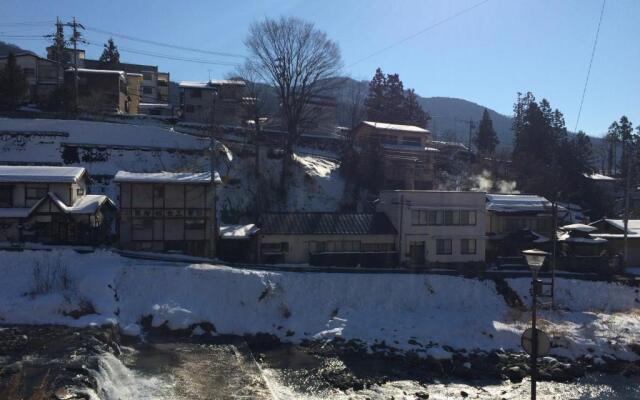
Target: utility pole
(74, 39)
(213, 230)
(627, 189)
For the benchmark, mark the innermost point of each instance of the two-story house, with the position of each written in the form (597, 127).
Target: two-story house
(436, 226)
(167, 211)
(407, 159)
(100, 90)
(51, 205)
(219, 102)
(43, 75)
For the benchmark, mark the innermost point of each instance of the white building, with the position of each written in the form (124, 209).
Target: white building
(436, 226)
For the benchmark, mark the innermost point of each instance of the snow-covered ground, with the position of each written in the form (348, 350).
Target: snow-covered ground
(409, 312)
(104, 148)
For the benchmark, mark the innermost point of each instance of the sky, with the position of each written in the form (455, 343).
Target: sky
(485, 55)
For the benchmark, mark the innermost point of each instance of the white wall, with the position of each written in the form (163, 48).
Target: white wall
(398, 205)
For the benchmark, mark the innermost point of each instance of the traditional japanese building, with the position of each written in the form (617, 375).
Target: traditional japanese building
(167, 211)
(51, 205)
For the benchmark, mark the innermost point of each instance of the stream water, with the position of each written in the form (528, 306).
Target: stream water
(194, 371)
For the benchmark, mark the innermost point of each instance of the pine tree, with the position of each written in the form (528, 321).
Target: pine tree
(414, 113)
(394, 100)
(375, 101)
(110, 57)
(13, 84)
(486, 138)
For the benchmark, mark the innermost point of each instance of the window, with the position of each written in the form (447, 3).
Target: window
(158, 192)
(6, 196)
(448, 217)
(347, 246)
(468, 246)
(29, 72)
(467, 217)
(80, 192)
(147, 90)
(196, 93)
(443, 247)
(147, 76)
(378, 247)
(419, 217)
(410, 141)
(141, 224)
(194, 224)
(36, 192)
(282, 247)
(189, 108)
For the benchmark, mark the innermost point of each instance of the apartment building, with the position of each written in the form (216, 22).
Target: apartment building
(406, 157)
(218, 102)
(43, 75)
(436, 226)
(51, 205)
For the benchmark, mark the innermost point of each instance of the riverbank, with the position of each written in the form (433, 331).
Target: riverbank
(421, 315)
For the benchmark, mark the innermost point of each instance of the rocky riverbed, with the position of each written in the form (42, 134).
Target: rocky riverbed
(44, 362)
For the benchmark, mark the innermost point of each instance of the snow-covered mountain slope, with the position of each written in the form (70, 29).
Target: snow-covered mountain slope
(424, 313)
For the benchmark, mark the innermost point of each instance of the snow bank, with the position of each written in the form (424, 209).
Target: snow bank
(411, 312)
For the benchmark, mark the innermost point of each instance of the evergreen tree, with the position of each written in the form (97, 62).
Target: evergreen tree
(394, 101)
(387, 101)
(110, 57)
(486, 138)
(414, 113)
(13, 84)
(612, 138)
(375, 101)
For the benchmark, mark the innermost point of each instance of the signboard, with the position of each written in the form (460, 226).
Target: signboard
(544, 343)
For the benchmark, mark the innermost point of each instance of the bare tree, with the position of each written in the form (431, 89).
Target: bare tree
(299, 61)
(253, 111)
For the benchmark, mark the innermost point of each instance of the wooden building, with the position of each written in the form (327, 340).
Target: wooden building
(326, 239)
(613, 231)
(197, 102)
(167, 211)
(51, 205)
(407, 159)
(99, 90)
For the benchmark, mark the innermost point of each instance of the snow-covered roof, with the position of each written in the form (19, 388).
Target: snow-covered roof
(599, 177)
(210, 84)
(515, 203)
(405, 147)
(238, 231)
(579, 227)
(154, 105)
(134, 74)
(43, 174)
(87, 204)
(97, 71)
(395, 127)
(166, 177)
(566, 237)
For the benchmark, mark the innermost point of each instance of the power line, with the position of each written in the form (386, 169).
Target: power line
(420, 32)
(593, 53)
(26, 23)
(172, 46)
(168, 57)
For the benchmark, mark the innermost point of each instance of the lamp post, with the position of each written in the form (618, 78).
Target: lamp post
(535, 259)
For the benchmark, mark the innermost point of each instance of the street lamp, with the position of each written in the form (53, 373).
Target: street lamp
(535, 259)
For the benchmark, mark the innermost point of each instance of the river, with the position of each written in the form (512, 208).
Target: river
(184, 370)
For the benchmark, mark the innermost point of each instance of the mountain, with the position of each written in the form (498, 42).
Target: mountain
(6, 48)
(450, 119)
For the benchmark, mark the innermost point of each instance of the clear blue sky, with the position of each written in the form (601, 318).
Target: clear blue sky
(485, 55)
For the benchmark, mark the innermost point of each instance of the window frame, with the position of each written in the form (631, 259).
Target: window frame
(441, 250)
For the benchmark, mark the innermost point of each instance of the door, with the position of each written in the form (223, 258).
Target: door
(417, 252)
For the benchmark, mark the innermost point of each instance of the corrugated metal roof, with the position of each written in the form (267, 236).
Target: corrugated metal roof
(321, 223)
